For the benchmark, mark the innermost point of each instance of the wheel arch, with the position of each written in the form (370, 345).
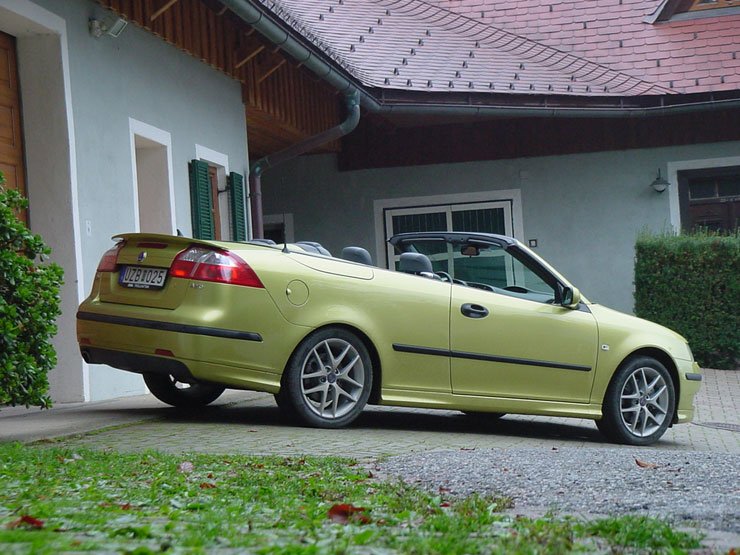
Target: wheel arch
(666, 360)
(369, 345)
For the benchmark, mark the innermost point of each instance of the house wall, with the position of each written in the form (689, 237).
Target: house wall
(584, 210)
(79, 147)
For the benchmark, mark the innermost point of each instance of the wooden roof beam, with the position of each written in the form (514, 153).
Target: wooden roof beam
(160, 7)
(272, 70)
(244, 57)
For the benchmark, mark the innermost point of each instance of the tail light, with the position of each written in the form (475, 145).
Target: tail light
(214, 265)
(109, 260)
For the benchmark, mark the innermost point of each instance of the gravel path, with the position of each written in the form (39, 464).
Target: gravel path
(687, 488)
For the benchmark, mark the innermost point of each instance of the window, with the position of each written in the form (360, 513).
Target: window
(208, 220)
(710, 199)
(489, 267)
(485, 217)
(709, 4)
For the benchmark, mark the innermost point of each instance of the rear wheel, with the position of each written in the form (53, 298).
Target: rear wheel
(484, 415)
(639, 403)
(328, 379)
(182, 395)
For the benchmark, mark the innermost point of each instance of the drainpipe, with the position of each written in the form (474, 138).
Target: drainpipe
(352, 102)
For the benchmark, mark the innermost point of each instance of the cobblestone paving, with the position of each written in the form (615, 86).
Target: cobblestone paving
(254, 426)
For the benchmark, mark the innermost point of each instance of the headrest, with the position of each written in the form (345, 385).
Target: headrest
(415, 263)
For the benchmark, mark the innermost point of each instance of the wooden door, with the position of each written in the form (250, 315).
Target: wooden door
(11, 141)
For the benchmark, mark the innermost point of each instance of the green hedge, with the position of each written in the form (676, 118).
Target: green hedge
(691, 284)
(29, 306)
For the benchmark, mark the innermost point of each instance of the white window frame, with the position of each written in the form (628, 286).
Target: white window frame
(465, 201)
(164, 138)
(683, 165)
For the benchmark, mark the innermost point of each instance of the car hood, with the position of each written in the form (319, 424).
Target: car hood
(614, 323)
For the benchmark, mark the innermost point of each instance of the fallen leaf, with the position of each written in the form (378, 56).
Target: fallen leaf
(207, 485)
(467, 448)
(643, 464)
(444, 504)
(343, 513)
(210, 475)
(185, 467)
(27, 521)
(443, 489)
(125, 506)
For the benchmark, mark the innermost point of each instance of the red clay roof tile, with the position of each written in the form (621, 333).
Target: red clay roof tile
(417, 45)
(698, 43)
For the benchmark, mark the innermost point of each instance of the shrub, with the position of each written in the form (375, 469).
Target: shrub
(691, 283)
(29, 306)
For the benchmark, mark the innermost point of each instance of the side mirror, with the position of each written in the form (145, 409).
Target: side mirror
(570, 297)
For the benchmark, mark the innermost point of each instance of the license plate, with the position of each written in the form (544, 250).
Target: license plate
(140, 277)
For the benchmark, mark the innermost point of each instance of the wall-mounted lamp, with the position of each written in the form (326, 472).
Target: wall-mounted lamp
(112, 26)
(659, 184)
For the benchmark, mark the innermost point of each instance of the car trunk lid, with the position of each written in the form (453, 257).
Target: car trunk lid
(142, 275)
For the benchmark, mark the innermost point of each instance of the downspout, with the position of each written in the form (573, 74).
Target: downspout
(352, 102)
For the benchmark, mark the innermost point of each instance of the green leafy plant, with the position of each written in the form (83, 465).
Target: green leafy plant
(691, 284)
(29, 306)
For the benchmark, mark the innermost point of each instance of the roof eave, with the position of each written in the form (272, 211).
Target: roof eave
(387, 101)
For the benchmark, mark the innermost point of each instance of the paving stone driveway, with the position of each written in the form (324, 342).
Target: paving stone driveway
(253, 426)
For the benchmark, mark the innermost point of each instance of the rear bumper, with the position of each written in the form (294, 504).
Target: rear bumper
(169, 326)
(140, 364)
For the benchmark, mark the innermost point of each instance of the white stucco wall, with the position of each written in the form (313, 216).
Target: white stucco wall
(108, 81)
(584, 210)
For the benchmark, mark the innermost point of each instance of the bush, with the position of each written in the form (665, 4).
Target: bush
(691, 283)
(29, 306)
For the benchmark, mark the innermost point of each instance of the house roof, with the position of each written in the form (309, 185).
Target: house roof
(687, 55)
(414, 45)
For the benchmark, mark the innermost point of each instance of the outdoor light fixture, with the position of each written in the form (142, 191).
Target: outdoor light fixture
(112, 26)
(659, 184)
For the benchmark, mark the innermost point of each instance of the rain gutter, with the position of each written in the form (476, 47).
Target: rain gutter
(259, 17)
(352, 102)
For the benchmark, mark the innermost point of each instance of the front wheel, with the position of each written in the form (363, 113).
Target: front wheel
(328, 379)
(639, 403)
(182, 395)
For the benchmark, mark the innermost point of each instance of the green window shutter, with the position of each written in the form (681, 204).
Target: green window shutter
(238, 207)
(200, 200)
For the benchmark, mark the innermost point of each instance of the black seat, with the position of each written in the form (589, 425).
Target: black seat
(415, 263)
(313, 247)
(357, 254)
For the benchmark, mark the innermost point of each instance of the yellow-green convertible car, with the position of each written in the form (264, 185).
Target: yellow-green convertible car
(468, 321)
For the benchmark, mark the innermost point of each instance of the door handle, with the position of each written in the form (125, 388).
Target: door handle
(474, 310)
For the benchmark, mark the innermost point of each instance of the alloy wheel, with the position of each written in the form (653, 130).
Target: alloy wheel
(332, 378)
(645, 401)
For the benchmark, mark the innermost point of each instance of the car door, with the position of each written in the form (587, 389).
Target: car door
(509, 336)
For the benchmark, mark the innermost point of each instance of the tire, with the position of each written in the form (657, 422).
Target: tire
(287, 412)
(639, 403)
(491, 416)
(328, 379)
(182, 395)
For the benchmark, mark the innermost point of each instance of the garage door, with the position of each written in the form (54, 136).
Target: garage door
(11, 144)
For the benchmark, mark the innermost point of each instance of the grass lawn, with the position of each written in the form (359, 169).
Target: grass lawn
(54, 500)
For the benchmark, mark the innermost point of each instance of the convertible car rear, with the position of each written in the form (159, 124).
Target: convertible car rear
(468, 321)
